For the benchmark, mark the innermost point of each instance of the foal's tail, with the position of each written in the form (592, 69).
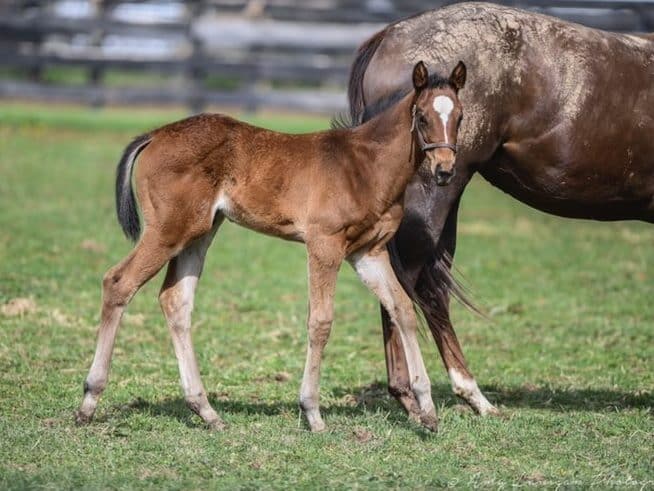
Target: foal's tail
(126, 209)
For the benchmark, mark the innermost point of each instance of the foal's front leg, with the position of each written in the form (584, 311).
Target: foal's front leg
(323, 265)
(375, 270)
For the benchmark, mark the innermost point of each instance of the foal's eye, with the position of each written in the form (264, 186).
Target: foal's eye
(422, 121)
(458, 123)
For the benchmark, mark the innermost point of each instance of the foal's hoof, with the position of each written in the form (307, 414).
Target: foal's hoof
(82, 419)
(414, 415)
(318, 427)
(216, 425)
(316, 424)
(490, 411)
(429, 421)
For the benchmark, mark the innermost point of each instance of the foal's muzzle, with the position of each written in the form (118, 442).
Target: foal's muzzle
(442, 163)
(443, 177)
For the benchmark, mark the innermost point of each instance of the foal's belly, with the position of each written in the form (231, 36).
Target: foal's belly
(260, 216)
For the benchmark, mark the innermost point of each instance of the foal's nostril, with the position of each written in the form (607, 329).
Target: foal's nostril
(443, 177)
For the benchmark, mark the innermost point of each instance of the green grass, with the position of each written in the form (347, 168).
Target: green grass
(130, 123)
(567, 355)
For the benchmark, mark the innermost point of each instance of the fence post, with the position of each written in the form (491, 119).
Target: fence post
(195, 71)
(96, 70)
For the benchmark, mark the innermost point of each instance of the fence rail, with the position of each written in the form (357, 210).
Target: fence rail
(284, 54)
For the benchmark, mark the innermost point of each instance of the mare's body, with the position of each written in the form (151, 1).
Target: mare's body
(558, 115)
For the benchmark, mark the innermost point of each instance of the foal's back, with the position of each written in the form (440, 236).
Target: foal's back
(271, 182)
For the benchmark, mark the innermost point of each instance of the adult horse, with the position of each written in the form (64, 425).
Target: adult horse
(558, 115)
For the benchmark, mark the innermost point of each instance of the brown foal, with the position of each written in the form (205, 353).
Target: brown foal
(340, 192)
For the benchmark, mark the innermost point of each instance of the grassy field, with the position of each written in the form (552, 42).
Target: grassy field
(567, 354)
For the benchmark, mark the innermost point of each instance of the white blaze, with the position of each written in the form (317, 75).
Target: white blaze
(443, 105)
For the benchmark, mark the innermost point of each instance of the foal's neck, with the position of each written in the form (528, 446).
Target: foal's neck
(389, 140)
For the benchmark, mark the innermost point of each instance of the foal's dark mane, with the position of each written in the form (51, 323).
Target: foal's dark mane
(343, 120)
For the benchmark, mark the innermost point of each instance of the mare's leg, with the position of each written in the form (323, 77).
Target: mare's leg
(176, 299)
(376, 272)
(119, 285)
(425, 238)
(434, 296)
(323, 264)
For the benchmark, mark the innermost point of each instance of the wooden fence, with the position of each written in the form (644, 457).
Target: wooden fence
(284, 54)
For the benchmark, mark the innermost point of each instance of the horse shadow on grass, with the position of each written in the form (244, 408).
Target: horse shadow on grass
(346, 402)
(373, 398)
(568, 399)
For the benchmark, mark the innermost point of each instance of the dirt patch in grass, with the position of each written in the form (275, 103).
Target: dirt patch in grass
(282, 377)
(93, 246)
(18, 307)
(362, 435)
(137, 320)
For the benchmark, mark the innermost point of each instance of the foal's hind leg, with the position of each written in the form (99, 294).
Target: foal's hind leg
(119, 285)
(176, 299)
(376, 272)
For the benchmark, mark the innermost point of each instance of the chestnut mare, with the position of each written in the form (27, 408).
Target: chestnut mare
(558, 115)
(340, 192)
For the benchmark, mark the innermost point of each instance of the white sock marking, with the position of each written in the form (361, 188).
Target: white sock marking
(468, 389)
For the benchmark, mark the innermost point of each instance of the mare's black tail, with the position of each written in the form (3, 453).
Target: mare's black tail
(355, 84)
(435, 283)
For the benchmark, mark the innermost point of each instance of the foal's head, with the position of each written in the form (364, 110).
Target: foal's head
(437, 114)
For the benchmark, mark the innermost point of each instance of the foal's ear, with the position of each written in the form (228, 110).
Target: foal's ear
(420, 76)
(458, 76)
